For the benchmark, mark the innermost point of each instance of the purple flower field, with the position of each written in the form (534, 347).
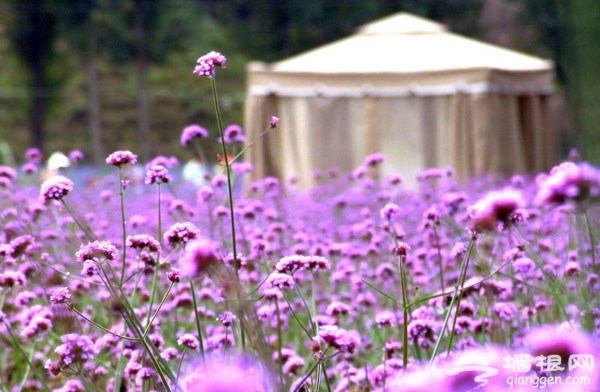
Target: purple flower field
(139, 280)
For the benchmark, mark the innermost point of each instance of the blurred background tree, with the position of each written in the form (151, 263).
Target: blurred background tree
(100, 75)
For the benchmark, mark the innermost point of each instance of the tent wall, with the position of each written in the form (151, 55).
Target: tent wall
(475, 134)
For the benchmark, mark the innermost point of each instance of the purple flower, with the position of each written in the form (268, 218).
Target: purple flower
(8, 172)
(12, 278)
(504, 310)
(62, 295)
(142, 242)
(422, 332)
(569, 182)
(281, 281)
(120, 158)
(75, 350)
(29, 168)
(494, 208)
(339, 338)
(188, 340)
(157, 174)
(192, 131)
(96, 250)
(233, 133)
(34, 155)
(55, 188)
(563, 340)
(180, 233)
(73, 385)
(199, 256)
(226, 318)
(225, 373)
(273, 122)
(174, 275)
(76, 156)
(374, 159)
(206, 64)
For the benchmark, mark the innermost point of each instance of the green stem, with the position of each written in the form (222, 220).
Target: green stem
(457, 294)
(279, 343)
(231, 207)
(592, 240)
(83, 316)
(162, 302)
(197, 318)
(86, 230)
(24, 355)
(440, 258)
(246, 147)
(160, 237)
(153, 291)
(120, 368)
(404, 312)
(123, 226)
(296, 316)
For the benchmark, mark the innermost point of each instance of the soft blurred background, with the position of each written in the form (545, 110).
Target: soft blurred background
(101, 75)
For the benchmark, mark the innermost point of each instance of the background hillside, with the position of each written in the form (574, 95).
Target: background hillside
(100, 75)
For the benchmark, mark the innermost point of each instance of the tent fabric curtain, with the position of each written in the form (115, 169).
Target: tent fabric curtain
(475, 134)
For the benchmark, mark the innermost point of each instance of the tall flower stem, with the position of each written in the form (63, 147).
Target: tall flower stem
(197, 318)
(457, 295)
(160, 237)
(26, 357)
(591, 235)
(404, 291)
(231, 206)
(123, 226)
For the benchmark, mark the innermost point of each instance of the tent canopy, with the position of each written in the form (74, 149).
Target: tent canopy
(407, 87)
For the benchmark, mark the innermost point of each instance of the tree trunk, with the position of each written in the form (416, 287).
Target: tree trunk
(582, 57)
(142, 96)
(95, 130)
(38, 104)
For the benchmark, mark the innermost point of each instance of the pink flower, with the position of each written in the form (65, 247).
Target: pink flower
(206, 64)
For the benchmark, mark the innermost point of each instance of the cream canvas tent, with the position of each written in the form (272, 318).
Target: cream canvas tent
(408, 88)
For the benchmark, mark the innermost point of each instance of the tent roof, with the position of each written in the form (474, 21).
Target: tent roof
(404, 49)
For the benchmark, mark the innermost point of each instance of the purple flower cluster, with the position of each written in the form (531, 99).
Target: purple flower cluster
(74, 351)
(191, 132)
(339, 338)
(97, 251)
(200, 255)
(205, 65)
(157, 174)
(496, 207)
(226, 373)
(181, 233)
(569, 182)
(233, 134)
(55, 188)
(121, 158)
(62, 295)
